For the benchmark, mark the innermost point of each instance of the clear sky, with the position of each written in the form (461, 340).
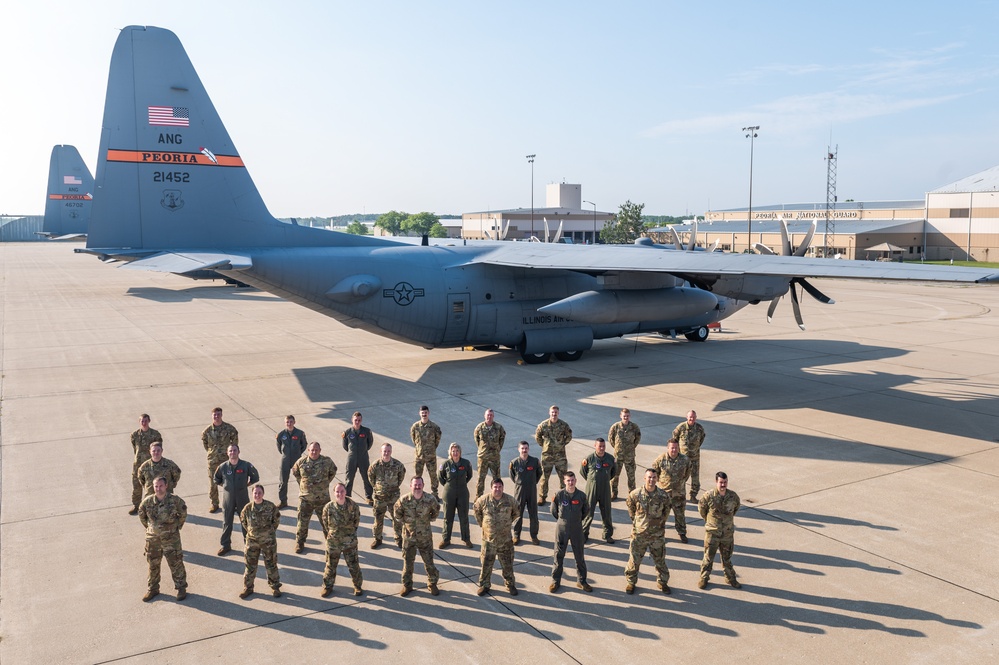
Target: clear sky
(346, 107)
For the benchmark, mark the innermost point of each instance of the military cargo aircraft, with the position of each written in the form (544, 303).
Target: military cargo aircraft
(173, 195)
(69, 195)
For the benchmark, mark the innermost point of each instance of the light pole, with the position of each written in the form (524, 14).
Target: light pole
(751, 135)
(594, 220)
(530, 158)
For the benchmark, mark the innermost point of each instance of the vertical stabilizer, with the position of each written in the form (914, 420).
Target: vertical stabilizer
(69, 196)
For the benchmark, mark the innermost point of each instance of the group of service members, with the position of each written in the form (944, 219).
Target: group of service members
(499, 515)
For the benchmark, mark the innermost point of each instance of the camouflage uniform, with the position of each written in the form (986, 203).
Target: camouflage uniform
(648, 512)
(386, 479)
(691, 439)
(718, 511)
(495, 517)
(624, 440)
(216, 441)
(553, 438)
(598, 472)
(150, 471)
(140, 449)
(673, 474)
(260, 523)
(425, 438)
(489, 440)
(163, 521)
(314, 478)
(341, 538)
(415, 516)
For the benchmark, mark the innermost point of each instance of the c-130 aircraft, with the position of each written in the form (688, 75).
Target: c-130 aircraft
(173, 195)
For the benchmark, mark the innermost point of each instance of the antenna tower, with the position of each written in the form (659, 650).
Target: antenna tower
(831, 156)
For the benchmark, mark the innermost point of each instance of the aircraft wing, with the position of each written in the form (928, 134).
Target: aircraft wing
(185, 262)
(710, 266)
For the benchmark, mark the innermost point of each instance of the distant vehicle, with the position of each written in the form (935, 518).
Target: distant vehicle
(69, 195)
(175, 196)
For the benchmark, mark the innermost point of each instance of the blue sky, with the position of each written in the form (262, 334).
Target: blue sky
(342, 107)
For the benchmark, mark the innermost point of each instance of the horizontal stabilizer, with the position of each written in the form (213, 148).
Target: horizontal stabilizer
(180, 263)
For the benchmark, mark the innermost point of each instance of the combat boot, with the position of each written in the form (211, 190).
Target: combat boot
(541, 500)
(443, 544)
(181, 594)
(376, 543)
(299, 547)
(398, 542)
(405, 591)
(665, 588)
(512, 588)
(702, 583)
(534, 539)
(553, 587)
(282, 505)
(584, 585)
(246, 593)
(516, 540)
(327, 592)
(214, 508)
(734, 583)
(224, 550)
(630, 589)
(276, 593)
(683, 538)
(434, 591)
(481, 591)
(134, 510)
(358, 591)
(150, 595)
(468, 543)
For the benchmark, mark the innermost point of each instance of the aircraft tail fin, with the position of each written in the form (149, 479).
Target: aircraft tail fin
(168, 174)
(69, 196)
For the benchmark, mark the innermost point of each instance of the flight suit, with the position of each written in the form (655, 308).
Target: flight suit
(569, 511)
(489, 440)
(415, 515)
(526, 474)
(216, 441)
(314, 477)
(455, 477)
(163, 521)
(426, 438)
(648, 512)
(234, 480)
(387, 478)
(291, 445)
(553, 438)
(260, 523)
(598, 472)
(623, 440)
(673, 474)
(357, 443)
(495, 517)
(341, 538)
(691, 439)
(140, 451)
(718, 511)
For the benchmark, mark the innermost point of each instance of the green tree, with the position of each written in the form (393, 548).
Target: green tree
(420, 223)
(391, 222)
(357, 228)
(626, 226)
(438, 231)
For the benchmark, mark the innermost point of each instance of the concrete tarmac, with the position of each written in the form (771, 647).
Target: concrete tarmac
(864, 449)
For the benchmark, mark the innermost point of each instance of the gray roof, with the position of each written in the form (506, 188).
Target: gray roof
(984, 181)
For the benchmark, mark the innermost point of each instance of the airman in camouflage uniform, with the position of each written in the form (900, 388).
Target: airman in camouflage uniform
(426, 436)
(314, 473)
(386, 476)
(690, 435)
(155, 467)
(216, 439)
(260, 519)
(489, 437)
(141, 439)
(648, 508)
(341, 516)
(163, 515)
(673, 468)
(624, 438)
(415, 512)
(553, 435)
(718, 508)
(495, 514)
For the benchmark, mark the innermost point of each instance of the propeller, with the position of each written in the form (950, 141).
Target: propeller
(795, 282)
(691, 244)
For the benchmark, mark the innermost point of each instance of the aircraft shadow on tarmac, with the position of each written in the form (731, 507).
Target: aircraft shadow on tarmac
(877, 396)
(216, 292)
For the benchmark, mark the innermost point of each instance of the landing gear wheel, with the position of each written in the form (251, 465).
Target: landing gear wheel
(699, 335)
(536, 358)
(568, 356)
